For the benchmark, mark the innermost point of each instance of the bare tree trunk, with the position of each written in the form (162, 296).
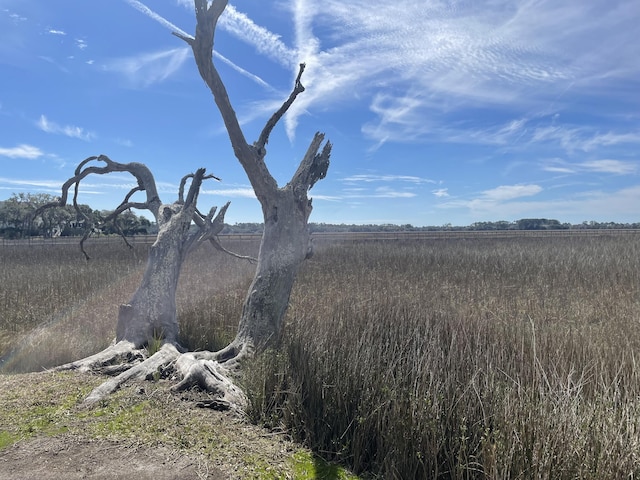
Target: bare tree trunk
(151, 313)
(286, 210)
(284, 246)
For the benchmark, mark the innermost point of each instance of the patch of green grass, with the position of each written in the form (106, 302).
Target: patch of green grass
(7, 439)
(307, 466)
(46, 404)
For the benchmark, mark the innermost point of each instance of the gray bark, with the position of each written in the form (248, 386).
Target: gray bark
(151, 313)
(285, 241)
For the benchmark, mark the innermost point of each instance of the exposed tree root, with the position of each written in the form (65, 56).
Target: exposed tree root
(110, 358)
(210, 376)
(191, 370)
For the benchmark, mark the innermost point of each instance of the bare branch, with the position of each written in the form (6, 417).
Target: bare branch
(194, 189)
(140, 171)
(275, 118)
(184, 181)
(209, 228)
(215, 241)
(251, 158)
(143, 175)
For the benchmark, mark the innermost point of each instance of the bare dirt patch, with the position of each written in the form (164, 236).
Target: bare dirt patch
(142, 431)
(69, 458)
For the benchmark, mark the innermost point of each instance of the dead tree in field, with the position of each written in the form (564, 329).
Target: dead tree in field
(285, 241)
(284, 246)
(151, 314)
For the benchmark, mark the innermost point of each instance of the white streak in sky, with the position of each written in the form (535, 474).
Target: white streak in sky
(153, 15)
(72, 131)
(148, 68)
(166, 23)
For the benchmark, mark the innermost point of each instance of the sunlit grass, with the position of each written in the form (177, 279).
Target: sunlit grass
(466, 358)
(56, 307)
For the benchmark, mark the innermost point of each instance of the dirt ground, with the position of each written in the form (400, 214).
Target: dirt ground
(141, 432)
(67, 458)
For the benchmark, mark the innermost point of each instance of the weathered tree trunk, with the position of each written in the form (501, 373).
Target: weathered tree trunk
(286, 210)
(151, 313)
(285, 244)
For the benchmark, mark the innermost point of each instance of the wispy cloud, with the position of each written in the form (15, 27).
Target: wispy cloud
(141, 7)
(509, 192)
(379, 192)
(264, 41)
(242, 71)
(505, 201)
(242, 27)
(573, 138)
(441, 192)
(382, 186)
(609, 166)
(615, 167)
(48, 126)
(48, 185)
(252, 33)
(240, 192)
(56, 32)
(149, 68)
(369, 178)
(15, 17)
(463, 54)
(21, 151)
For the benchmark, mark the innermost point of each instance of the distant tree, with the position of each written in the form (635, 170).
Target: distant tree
(14, 216)
(538, 224)
(17, 220)
(127, 223)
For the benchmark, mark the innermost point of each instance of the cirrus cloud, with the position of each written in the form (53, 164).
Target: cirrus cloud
(21, 151)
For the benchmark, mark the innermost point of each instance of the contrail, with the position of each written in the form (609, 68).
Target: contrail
(242, 71)
(166, 23)
(153, 15)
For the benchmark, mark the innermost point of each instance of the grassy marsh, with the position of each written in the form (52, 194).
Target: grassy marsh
(458, 358)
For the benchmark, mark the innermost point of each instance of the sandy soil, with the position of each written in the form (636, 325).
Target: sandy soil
(64, 457)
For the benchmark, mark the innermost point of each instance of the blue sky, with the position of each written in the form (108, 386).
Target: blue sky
(439, 111)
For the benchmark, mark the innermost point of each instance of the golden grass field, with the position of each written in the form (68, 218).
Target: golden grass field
(460, 358)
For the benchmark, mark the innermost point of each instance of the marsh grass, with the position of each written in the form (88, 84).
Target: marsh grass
(464, 358)
(56, 307)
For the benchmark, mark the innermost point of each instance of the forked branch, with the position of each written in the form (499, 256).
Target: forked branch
(85, 168)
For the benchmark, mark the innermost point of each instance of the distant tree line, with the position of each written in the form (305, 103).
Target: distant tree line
(522, 224)
(16, 219)
(15, 222)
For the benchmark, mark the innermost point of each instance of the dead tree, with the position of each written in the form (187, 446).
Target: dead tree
(284, 246)
(286, 241)
(151, 314)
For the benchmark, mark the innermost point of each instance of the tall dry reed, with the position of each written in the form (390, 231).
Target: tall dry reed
(469, 358)
(465, 359)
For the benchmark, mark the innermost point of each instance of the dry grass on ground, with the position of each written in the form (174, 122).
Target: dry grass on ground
(459, 358)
